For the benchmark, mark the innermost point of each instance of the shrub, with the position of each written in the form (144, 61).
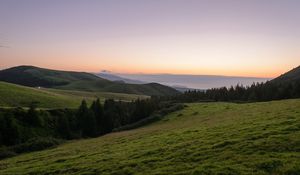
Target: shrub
(173, 108)
(143, 122)
(6, 152)
(152, 118)
(36, 144)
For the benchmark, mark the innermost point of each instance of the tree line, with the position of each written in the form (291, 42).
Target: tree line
(100, 119)
(255, 93)
(25, 130)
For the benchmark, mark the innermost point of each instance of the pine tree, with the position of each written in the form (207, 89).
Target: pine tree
(63, 127)
(109, 115)
(86, 120)
(33, 117)
(10, 131)
(97, 109)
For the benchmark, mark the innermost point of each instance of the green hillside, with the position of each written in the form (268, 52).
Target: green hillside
(204, 138)
(12, 95)
(68, 80)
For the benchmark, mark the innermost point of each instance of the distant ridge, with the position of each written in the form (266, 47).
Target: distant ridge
(194, 81)
(117, 78)
(69, 80)
(112, 77)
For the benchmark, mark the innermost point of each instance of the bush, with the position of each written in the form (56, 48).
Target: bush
(170, 109)
(6, 152)
(143, 122)
(154, 117)
(36, 144)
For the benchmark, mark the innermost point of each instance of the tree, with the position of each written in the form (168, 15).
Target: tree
(109, 115)
(97, 109)
(10, 132)
(32, 116)
(86, 120)
(63, 126)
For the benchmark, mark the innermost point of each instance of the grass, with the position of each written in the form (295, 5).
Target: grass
(12, 95)
(204, 138)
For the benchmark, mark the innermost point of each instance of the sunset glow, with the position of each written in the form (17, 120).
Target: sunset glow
(179, 37)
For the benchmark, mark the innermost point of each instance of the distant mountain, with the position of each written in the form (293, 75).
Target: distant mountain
(69, 80)
(181, 83)
(183, 88)
(112, 77)
(193, 81)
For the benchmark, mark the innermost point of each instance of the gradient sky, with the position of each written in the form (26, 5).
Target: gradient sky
(217, 37)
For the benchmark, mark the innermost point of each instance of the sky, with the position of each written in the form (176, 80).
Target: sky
(257, 38)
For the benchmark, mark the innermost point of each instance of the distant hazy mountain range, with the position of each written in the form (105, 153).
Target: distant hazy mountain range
(112, 77)
(183, 82)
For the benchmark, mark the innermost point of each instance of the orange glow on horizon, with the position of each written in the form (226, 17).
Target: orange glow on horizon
(249, 39)
(94, 68)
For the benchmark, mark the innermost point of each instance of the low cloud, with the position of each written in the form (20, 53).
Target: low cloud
(105, 71)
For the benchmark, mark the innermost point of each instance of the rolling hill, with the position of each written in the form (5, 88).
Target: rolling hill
(204, 138)
(13, 95)
(81, 81)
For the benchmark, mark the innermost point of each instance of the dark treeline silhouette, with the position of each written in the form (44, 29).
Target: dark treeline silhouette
(254, 93)
(28, 130)
(100, 119)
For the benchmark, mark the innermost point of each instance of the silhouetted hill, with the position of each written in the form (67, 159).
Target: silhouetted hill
(292, 75)
(69, 80)
(35, 76)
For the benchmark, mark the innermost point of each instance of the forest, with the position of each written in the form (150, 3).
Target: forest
(24, 130)
(257, 92)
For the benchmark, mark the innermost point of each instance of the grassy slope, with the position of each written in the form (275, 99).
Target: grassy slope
(12, 95)
(101, 95)
(258, 138)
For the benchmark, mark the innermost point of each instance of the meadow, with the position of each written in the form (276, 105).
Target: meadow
(20, 96)
(203, 138)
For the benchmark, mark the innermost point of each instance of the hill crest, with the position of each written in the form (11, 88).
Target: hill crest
(70, 80)
(292, 75)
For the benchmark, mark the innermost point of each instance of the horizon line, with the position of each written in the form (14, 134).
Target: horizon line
(142, 73)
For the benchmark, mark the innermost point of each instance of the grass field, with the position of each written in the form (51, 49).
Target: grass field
(205, 138)
(12, 95)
